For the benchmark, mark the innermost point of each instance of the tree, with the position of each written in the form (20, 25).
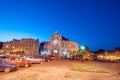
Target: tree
(85, 53)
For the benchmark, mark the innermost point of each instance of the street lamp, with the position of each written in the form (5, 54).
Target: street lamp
(7, 49)
(82, 47)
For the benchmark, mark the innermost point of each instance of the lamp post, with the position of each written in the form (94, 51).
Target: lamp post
(82, 48)
(7, 49)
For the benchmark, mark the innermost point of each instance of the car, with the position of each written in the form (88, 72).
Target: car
(49, 58)
(35, 60)
(7, 67)
(52, 58)
(20, 62)
(3, 57)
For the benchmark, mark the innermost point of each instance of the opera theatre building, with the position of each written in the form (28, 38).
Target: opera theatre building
(58, 46)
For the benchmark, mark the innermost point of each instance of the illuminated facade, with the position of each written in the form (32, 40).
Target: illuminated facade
(59, 45)
(26, 46)
(108, 55)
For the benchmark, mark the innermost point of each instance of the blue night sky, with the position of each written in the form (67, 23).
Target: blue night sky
(94, 23)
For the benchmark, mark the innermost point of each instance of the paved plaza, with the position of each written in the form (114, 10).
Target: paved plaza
(61, 70)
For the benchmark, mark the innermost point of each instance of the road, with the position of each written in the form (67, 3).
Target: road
(61, 70)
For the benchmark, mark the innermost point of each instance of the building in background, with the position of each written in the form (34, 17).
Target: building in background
(45, 48)
(59, 46)
(23, 46)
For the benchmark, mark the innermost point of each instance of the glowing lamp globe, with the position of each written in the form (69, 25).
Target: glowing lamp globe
(82, 47)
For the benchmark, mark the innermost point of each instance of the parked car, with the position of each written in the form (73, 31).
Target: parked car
(3, 56)
(35, 60)
(7, 67)
(52, 57)
(20, 62)
(49, 58)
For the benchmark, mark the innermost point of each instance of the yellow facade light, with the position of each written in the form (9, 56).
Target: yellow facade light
(7, 46)
(13, 47)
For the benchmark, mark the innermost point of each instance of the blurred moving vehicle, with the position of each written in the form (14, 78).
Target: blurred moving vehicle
(20, 62)
(35, 60)
(7, 67)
